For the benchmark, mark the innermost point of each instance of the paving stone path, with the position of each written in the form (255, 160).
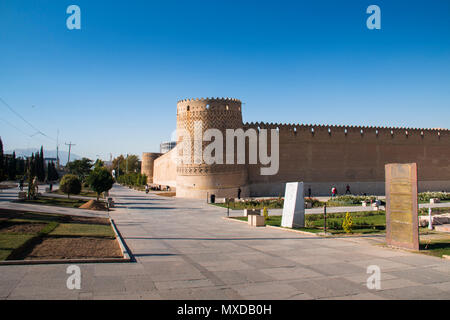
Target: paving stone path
(184, 249)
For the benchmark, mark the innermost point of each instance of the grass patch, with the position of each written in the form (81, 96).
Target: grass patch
(59, 202)
(78, 229)
(20, 238)
(364, 222)
(84, 193)
(435, 247)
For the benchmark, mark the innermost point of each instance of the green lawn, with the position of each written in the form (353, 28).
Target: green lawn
(435, 247)
(79, 229)
(13, 242)
(53, 201)
(364, 222)
(84, 192)
(10, 242)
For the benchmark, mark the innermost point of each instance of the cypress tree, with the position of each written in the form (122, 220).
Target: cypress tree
(2, 161)
(12, 167)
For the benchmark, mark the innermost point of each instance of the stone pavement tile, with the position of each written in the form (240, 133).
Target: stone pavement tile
(329, 287)
(209, 257)
(424, 275)
(226, 265)
(7, 286)
(270, 262)
(313, 259)
(397, 283)
(380, 251)
(139, 283)
(425, 292)
(358, 296)
(108, 285)
(178, 284)
(85, 296)
(362, 277)
(242, 276)
(290, 273)
(418, 260)
(333, 269)
(444, 267)
(259, 288)
(12, 272)
(118, 269)
(296, 295)
(444, 286)
(151, 295)
(41, 287)
(384, 264)
(209, 293)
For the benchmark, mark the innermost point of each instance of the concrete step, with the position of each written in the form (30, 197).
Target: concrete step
(442, 228)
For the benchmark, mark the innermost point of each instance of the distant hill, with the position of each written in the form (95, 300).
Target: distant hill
(47, 154)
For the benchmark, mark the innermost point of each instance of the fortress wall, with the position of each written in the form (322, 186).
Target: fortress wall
(165, 169)
(333, 155)
(147, 164)
(200, 180)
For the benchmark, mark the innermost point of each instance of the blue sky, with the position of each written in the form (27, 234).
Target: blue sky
(112, 86)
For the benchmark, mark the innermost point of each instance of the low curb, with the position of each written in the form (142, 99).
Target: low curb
(125, 254)
(274, 227)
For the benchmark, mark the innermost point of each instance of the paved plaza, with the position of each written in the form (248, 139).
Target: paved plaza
(185, 249)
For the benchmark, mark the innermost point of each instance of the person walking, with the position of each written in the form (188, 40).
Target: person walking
(333, 192)
(309, 192)
(347, 190)
(239, 193)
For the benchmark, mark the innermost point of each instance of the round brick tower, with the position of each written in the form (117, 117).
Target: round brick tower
(201, 179)
(148, 159)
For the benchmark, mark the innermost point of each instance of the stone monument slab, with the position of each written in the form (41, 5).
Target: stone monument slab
(294, 206)
(402, 226)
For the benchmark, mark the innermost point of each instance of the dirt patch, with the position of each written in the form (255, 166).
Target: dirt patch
(21, 227)
(166, 194)
(88, 220)
(94, 205)
(74, 248)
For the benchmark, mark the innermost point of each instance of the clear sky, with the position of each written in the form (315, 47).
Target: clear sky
(112, 86)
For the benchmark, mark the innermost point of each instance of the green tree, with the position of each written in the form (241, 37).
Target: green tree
(70, 184)
(2, 162)
(12, 167)
(100, 180)
(40, 165)
(81, 168)
(52, 173)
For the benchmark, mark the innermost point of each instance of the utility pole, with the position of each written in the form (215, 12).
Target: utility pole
(57, 148)
(70, 144)
(127, 163)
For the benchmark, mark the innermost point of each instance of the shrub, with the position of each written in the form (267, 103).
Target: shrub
(100, 180)
(265, 213)
(426, 196)
(347, 223)
(70, 184)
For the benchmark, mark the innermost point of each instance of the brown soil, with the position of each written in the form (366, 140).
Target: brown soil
(166, 194)
(94, 205)
(75, 248)
(88, 220)
(21, 227)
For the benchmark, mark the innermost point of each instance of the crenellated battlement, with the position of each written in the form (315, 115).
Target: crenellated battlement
(208, 104)
(347, 129)
(209, 99)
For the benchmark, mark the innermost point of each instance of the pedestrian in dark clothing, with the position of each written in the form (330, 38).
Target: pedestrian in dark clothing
(309, 192)
(239, 193)
(347, 191)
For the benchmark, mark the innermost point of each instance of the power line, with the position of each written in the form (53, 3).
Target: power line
(20, 130)
(27, 122)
